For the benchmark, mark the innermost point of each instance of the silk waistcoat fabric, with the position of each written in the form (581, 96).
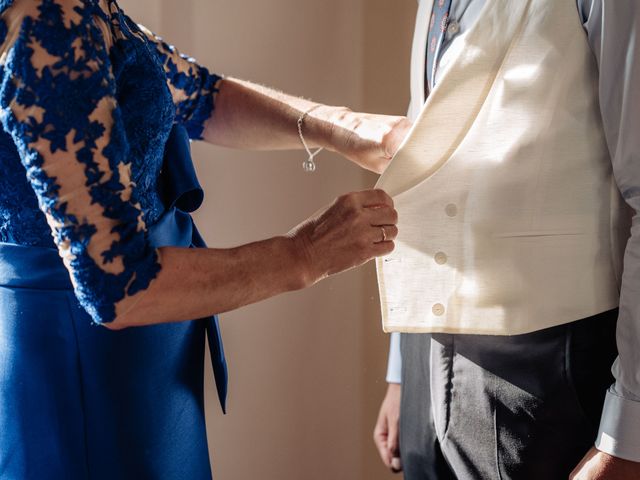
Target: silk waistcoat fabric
(80, 401)
(510, 221)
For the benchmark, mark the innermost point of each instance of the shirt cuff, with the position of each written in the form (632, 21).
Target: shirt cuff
(619, 433)
(394, 368)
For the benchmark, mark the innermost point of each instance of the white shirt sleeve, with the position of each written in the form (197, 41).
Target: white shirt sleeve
(394, 367)
(613, 28)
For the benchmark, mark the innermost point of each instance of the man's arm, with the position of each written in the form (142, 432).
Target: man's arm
(386, 431)
(613, 28)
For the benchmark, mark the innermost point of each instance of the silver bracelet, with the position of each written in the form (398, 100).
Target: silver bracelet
(309, 165)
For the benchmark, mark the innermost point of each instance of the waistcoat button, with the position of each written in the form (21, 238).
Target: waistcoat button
(440, 258)
(451, 210)
(438, 309)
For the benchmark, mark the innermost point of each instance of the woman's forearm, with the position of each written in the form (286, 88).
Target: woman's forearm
(196, 283)
(253, 117)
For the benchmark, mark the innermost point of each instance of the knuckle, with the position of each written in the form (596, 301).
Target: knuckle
(352, 207)
(345, 199)
(369, 195)
(387, 215)
(383, 194)
(354, 216)
(350, 216)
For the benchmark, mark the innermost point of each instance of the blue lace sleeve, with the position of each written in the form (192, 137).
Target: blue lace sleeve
(192, 86)
(57, 95)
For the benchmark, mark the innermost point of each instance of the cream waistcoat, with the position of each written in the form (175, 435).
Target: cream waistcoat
(510, 221)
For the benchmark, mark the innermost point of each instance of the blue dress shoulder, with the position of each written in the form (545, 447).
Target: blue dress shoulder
(96, 175)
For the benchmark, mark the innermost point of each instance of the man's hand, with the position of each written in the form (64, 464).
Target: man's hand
(385, 435)
(597, 465)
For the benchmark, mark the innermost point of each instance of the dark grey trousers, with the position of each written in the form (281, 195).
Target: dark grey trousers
(520, 407)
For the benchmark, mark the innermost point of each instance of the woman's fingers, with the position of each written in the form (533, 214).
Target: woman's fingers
(383, 233)
(382, 249)
(383, 215)
(374, 198)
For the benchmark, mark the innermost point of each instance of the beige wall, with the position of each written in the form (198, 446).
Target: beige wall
(307, 368)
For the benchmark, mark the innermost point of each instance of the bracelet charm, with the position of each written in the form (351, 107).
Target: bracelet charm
(309, 165)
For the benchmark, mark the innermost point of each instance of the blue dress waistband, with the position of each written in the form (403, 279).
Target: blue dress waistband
(32, 267)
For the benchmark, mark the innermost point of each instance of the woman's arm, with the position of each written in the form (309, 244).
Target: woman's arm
(251, 116)
(239, 114)
(195, 283)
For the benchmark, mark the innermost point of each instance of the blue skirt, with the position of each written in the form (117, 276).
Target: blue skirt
(79, 401)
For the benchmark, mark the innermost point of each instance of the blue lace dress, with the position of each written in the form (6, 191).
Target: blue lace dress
(95, 175)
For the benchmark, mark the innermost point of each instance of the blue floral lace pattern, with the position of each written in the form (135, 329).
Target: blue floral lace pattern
(193, 88)
(87, 102)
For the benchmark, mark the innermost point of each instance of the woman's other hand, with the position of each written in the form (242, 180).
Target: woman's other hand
(368, 140)
(354, 229)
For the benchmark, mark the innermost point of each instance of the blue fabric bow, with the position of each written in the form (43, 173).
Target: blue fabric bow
(182, 194)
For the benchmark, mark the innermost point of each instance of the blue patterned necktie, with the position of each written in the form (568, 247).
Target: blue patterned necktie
(437, 28)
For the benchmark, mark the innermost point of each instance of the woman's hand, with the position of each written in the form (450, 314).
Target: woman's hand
(368, 140)
(354, 229)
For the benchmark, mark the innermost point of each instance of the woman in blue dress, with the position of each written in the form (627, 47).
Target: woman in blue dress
(96, 186)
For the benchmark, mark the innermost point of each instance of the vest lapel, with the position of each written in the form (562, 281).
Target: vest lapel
(459, 95)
